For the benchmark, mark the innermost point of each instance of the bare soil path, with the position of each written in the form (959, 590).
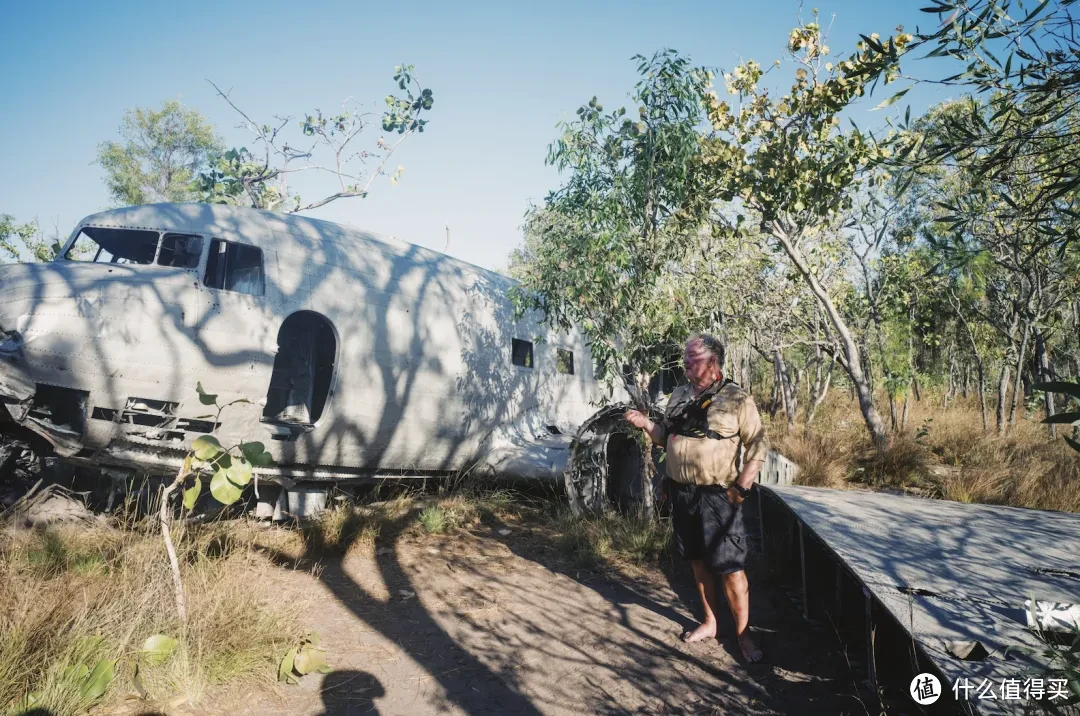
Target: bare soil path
(495, 621)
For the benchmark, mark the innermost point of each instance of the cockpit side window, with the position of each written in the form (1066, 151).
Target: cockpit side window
(235, 267)
(114, 246)
(180, 251)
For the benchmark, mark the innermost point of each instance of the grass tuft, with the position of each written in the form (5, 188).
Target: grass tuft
(612, 538)
(435, 519)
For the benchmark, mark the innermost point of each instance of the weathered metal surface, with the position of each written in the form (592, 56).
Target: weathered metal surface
(422, 382)
(777, 470)
(951, 573)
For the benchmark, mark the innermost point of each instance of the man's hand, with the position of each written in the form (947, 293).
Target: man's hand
(733, 495)
(640, 420)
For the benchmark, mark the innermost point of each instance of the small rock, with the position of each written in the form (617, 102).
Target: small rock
(406, 593)
(504, 531)
(383, 550)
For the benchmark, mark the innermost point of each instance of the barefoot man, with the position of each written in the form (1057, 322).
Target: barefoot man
(704, 426)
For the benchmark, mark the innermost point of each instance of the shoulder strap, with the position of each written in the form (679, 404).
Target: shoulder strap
(691, 419)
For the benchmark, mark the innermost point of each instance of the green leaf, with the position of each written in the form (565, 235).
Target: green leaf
(1058, 386)
(191, 495)
(309, 659)
(206, 447)
(256, 454)
(892, 100)
(158, 648)
(1072, 443)
(204, 397)
(285, 667)
(1061, 418)
(239, 472)
(223, 490)
(76, 674)
(98, 680)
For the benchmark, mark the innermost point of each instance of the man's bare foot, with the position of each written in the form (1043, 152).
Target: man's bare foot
(750, 650)
(704, 631)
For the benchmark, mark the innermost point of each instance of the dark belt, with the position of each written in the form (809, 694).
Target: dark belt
(688, 487)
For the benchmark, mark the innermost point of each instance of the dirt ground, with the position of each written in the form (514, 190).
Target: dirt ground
(495, 621)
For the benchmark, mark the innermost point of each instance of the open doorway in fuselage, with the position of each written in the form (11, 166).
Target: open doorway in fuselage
(303, 370)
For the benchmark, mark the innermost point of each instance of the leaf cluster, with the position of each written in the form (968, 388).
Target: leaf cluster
(230, 468)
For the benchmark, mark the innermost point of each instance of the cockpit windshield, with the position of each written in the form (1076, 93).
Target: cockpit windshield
(136, 246)
(114, 246)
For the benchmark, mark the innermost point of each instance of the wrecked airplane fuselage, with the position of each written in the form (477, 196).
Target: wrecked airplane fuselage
(360, 356)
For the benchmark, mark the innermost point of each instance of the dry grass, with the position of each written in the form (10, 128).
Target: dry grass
(355, 527)
(74, 595)
(823, 461)
(940, 453)
(612, 539)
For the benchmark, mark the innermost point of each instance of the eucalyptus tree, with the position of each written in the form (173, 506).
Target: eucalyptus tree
(786, 158)
(1020, 274)
(159, 154)
(1021, 60)
(599, 252)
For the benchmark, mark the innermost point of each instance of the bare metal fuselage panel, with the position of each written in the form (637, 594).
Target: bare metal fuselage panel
(413, 372)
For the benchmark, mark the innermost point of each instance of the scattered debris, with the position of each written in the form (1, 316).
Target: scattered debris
(56, 507)
(967, 650)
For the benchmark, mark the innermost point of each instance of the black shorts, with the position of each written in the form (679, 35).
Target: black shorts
(707, 526)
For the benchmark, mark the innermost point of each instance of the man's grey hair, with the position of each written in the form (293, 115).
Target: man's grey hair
(711, 344)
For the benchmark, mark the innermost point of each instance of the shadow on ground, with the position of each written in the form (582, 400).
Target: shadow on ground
(495, 620)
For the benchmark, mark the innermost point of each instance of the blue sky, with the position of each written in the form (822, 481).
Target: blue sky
(503, 74)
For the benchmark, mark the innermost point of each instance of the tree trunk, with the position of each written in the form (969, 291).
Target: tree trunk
(982, 398)
(903, 420)
(978, 365)
(892, 412)
(775, 402)
(785, 388)
(1018, 391)
(1003, 390)
(164, 516)
(852, 362)
(1046, 373)
(820, 396)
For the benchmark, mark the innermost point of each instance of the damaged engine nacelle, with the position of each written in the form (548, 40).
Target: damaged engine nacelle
(605, 466)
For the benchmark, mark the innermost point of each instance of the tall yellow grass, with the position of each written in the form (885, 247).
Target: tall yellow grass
(941, 453)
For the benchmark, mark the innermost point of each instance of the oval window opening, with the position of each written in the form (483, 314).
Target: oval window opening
(303, 370)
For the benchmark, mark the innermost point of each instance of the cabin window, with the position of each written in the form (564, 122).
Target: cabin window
(180, 251)
(234, 267)
(522, 353)
(564, 361)
(114, 246)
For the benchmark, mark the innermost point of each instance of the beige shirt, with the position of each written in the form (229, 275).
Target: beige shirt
(708, 461)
